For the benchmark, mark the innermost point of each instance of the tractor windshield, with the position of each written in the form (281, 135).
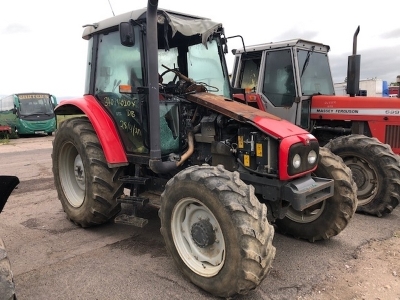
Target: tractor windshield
(204, 66)
(316, 76)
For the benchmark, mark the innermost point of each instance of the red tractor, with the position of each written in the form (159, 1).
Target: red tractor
(159, 121)
(292, 79)
(5, 131)
(7, 286)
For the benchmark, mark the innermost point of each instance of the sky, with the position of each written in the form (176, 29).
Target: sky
(42, 49)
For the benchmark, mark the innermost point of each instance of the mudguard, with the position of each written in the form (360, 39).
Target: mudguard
(103, 125)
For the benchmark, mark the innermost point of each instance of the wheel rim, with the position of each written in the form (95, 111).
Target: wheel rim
(72, 175)
(198, 237)
(307, 215)
(365, 178)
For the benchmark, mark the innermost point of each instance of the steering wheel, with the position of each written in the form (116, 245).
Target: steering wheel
(168, 71)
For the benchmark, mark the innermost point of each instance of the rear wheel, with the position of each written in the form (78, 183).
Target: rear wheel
(216, 230)
(331, 216)
(86, 186)
(375, 170)
(7, 286)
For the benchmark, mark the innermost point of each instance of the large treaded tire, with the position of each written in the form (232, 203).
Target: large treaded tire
(331, 216)
(86, 186)
(376, 171)
(7, 286)
(243, 235)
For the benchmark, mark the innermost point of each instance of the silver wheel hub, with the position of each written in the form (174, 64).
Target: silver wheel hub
(79, 172)
(72, 174)
(365, 178)
(203, 233)
(198, 237)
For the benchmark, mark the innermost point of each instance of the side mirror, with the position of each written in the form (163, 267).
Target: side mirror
(127, 34)
(14, 111)
(226, 49)
(224, 42)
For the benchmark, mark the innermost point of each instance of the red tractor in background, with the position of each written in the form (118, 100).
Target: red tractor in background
(292, 79)
(220, 172)
(394, 91)
(5, 131)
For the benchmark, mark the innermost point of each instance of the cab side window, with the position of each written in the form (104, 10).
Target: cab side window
(250, 70)
(117, 65)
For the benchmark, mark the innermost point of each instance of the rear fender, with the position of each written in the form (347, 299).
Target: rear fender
(103, 125)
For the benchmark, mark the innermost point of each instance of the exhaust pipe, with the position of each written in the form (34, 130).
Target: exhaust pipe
(155, 162)
(353, 69)
(152, 74)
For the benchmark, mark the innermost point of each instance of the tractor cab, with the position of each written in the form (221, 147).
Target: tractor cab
(118, 72)
(282, 76)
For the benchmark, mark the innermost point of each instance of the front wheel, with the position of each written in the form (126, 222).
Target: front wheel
(216, 230)
(331, 216)
(86, 186)
(375, 170)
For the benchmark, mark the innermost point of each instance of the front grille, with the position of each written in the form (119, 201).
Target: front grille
(392, 136)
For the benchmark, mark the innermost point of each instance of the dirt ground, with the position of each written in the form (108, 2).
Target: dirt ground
(53, 259)
(373, 274)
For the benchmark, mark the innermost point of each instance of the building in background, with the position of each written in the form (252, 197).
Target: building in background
(368, 87)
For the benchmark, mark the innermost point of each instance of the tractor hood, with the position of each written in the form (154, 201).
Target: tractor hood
(275, 127)
(353, 108)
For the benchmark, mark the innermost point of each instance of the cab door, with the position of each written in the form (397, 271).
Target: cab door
(277, 85)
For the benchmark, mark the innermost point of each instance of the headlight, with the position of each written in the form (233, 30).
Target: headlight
(302, 158)
(312, 157)
(296, 161)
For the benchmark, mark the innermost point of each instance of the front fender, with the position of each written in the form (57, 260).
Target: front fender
(102, 123)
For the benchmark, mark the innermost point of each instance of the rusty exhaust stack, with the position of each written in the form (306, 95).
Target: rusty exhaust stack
(155, 163)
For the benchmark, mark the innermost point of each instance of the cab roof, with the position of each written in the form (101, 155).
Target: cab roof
(305, 44)
(184, 23)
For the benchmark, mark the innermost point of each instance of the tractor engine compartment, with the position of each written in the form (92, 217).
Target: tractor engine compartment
(218, 139)
(221, 140)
